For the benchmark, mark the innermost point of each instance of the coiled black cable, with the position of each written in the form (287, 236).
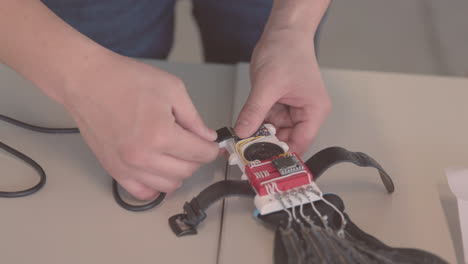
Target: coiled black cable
(30, 162)
(42, 174)
(133, 207)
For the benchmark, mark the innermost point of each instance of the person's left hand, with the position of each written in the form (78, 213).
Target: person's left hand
(287, 89)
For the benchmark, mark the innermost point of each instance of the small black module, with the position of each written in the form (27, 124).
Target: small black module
(287, 165)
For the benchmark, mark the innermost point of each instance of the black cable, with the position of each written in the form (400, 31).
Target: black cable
(42, 175)
(45, 130)
(30, 162)
(132, 207)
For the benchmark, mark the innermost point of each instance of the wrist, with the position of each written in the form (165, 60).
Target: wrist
(297, 15)
(279, 41)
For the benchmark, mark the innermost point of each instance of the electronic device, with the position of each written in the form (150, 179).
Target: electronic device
(276, 175)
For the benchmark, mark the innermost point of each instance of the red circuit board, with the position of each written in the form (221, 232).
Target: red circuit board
(265, 171)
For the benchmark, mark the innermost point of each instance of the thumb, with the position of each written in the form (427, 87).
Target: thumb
(187, 117)
(254, 112)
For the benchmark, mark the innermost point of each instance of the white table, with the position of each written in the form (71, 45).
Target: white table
(414, 125)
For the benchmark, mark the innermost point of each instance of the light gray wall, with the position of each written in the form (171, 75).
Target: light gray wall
(418, 36)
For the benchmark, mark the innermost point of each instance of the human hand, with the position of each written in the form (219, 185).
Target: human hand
(140, 123)
(287, 89)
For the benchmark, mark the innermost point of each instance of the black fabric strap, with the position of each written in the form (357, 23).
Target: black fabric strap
(328, 157)
(194, 211)
(223, 189)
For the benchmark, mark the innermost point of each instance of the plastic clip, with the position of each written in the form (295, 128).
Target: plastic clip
(179, 227)
(186, 223)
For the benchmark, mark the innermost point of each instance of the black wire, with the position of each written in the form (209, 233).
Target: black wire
(42, 175)
(30, 162)
(46, 130)
(132, 207)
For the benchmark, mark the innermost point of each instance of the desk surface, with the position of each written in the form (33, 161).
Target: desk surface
(413, 125)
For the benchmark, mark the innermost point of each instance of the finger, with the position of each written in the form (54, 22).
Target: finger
(137, 189)
(283, 134)
(190, 147)
(171, 167)
(279, 116)
(188, 117)
(224, 153)
(305, 131)
(161, 164)
(254, 111)
(298, 141)
(155, 182)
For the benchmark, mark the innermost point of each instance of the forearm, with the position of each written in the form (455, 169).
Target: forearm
(302, 15)
(42, 47)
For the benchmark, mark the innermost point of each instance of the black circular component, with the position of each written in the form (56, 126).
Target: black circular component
(262, 151)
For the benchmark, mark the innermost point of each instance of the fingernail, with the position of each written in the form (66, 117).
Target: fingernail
(211, 134)
(241, 127)
(242, 123)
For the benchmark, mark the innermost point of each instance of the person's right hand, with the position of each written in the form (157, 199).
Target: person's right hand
(141, 124)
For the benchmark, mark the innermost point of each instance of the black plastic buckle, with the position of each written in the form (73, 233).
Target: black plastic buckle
(180, 227)
(186, 224)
